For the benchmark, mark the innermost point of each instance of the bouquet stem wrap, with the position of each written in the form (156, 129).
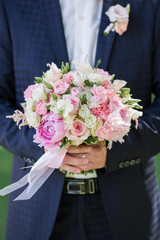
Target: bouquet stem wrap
(39, 173)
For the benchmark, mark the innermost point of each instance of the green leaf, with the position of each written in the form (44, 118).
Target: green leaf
(38, 80)
(48, 107)
(98, 63)
(132, 101)
(53, 96)
(24, 104)
(48, 85)
(112, 77)
(64, 142)
(128, 7)
(124, 92)
(84, 99)
(65, 68)
(91, 84)
(91, 140)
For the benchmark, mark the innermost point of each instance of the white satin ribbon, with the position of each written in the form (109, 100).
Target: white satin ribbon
(39, 173)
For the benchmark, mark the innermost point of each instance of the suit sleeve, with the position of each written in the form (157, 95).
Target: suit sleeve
(18, 142)
(143, 143)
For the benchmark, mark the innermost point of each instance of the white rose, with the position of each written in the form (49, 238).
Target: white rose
(39, 93)
(64, 106)
(99, 124)
(91, 121)
(118, 13)
(96, 78)
(32, 118)
(69, 121)
(84, 111)
(30, 104)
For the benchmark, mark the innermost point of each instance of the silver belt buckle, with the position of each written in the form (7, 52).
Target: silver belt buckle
(91, 186)
(80, 184)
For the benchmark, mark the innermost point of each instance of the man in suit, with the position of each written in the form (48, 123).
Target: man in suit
(125, 203)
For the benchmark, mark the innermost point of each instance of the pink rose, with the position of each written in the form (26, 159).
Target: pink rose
(50, 131)
(60, 86)
(28, 92)
(79, 131)
(40, 107)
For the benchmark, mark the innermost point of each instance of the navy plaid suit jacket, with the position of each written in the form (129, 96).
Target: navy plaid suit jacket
(31, 35)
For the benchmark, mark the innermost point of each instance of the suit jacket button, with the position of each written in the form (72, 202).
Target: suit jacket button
(138, 160)
(126, 164)
(121, 165)
(29, 160)
(132, 162)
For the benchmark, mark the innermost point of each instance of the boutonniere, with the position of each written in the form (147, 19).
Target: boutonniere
(119, 17)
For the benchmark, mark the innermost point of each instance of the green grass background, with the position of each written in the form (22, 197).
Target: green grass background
(5, 171)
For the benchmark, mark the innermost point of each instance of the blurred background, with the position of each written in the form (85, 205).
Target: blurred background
(5, 172)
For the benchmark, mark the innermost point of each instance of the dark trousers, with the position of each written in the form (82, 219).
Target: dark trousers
(81, 217)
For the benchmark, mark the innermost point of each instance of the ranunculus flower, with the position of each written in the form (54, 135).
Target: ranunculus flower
(50, 131)
(68, 78)
(40, 107)
(74, 92)
(28, 92)
(79, 131)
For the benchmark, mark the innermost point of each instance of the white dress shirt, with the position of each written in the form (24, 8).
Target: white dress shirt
(81, 20)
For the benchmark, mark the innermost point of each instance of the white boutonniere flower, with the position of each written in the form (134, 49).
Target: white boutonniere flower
(119, 17)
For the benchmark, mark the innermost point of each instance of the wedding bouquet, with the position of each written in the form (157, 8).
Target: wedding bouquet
(70, 108)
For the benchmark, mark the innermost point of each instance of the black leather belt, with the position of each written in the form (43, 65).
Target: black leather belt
(80, 186)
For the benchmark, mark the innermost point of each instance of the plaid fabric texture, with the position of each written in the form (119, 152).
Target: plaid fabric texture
(31, 35)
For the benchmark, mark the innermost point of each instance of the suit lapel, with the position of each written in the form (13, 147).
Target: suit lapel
(51, 14)
(105, 43)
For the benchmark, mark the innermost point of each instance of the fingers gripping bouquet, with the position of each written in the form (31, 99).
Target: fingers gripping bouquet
(70, 108)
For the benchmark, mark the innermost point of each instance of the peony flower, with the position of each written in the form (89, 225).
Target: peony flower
(28, 92)
(114, 130)
(79, 131)
(40, 107)
(50, 131)
(119, 17)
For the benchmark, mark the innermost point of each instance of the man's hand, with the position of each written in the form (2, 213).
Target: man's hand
(84, 158)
